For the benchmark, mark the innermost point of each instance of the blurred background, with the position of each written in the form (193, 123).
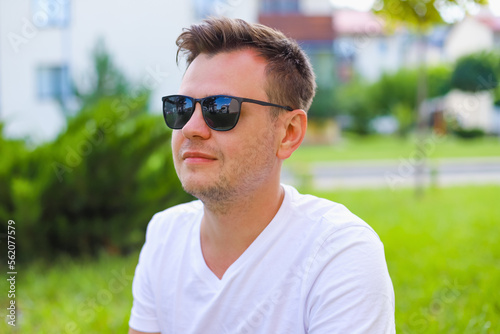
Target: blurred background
(404, 130)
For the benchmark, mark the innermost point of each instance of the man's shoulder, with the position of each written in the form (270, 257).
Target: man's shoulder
(176, 217)
(325, 214)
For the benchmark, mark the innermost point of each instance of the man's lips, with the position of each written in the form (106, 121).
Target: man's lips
(197, 157)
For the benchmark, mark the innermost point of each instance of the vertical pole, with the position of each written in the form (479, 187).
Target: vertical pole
(420, 167)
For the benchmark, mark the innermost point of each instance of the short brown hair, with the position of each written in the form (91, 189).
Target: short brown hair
(290, 77)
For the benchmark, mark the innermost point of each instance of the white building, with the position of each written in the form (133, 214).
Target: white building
(47, 43)
(469, 36)
(364, 45)
(473, 34)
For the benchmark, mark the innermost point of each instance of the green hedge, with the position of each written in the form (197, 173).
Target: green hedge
(94, 187)
(476, 72)
(393, 94)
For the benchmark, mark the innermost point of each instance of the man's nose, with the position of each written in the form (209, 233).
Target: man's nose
(196, 126)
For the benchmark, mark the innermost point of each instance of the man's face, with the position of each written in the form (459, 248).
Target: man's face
(221, 166)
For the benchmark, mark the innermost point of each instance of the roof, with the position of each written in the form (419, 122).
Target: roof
(492, 22)
(351, 22)
(301, 27)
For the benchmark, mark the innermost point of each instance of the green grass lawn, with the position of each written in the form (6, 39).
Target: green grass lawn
(74, 296)
(443, 255)
(387, 147)
(442, 251)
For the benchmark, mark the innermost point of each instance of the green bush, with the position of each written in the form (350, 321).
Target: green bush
(14, 153)
(468, 133)
(355, 100)
(476, 72)
(400, 88)
(405, 117)
(324, 104)
(93, 188)
(393, 94)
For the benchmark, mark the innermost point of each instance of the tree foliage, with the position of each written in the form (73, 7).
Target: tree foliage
(95, 187)
(476, 72)
(354, 100)
(324, 104)
(412, 12)
(393, 94)
(401, 87)
(419, 14)
(104, 80)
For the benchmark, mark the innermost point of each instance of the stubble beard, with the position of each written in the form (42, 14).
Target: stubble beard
(243, 179)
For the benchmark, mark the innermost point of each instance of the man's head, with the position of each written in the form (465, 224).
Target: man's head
(217, 160)
(290, 77)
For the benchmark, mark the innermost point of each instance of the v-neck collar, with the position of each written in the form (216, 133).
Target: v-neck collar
(259, 243)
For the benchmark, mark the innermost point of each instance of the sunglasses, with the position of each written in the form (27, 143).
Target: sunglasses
(220, 112)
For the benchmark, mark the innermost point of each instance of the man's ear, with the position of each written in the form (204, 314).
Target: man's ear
(294, 126)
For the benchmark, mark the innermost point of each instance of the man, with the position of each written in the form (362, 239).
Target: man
(252, 255)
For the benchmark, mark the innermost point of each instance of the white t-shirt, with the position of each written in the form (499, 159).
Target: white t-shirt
(316, 268)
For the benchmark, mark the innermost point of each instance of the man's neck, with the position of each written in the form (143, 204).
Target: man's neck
(226, 235)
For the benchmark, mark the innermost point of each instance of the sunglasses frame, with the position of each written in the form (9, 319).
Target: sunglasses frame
(239, 99)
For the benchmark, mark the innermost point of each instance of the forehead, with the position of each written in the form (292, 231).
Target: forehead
(239, 73)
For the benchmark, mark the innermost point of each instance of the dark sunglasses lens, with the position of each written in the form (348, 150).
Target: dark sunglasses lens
(221, 112)
(177, 111)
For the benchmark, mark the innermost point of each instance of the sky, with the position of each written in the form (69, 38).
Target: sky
(358, 5)
(367, 4)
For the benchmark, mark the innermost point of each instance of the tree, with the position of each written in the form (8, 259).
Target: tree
(420, 15)
(476, 72)
(395, 93)
(354, 100)
(95, 186)
(105, 80)
(323, 105)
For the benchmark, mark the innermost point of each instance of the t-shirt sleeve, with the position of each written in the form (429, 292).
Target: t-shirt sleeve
(143, 315)
(351, 291)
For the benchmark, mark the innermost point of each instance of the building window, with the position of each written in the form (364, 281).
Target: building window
(53, 83)
(496, 40)
(382, 46)
(279, 6)
(50, 13)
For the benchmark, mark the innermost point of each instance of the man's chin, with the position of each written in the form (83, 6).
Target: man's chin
(207, 193)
